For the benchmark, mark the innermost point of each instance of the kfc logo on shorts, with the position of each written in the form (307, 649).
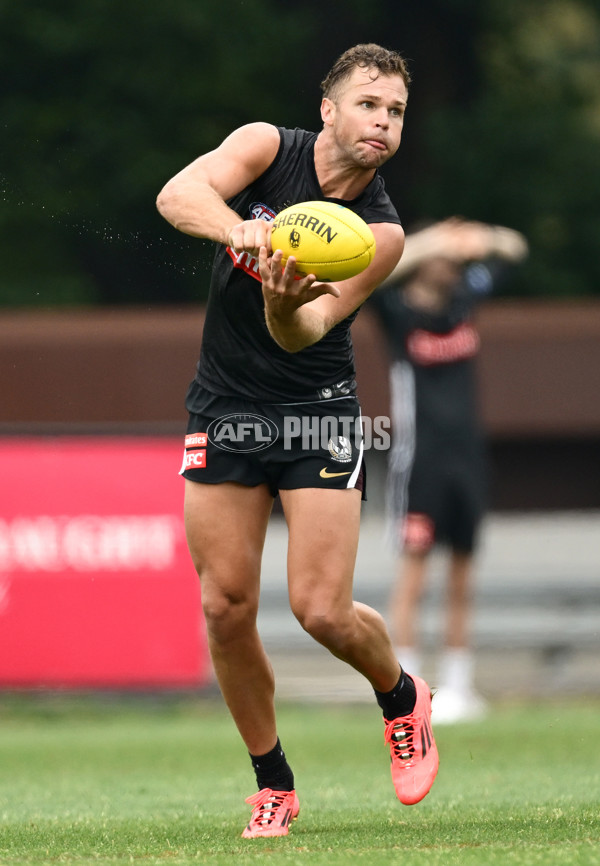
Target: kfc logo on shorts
(195, 451)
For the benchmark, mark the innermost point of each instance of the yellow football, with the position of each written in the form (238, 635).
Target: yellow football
(326, 239)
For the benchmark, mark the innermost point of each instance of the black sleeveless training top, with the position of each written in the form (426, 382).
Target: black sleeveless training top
(238, 355)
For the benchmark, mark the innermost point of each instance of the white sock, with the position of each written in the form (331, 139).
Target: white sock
(455, 669)
(410, 660)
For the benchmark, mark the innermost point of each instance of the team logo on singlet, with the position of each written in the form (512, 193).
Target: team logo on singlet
(260, 211)
(340, 449)
(244, 261)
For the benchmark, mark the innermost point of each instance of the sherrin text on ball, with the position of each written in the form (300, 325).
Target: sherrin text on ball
(326, 239)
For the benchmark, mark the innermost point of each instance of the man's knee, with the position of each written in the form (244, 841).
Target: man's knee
(229, 613)
(324, 623)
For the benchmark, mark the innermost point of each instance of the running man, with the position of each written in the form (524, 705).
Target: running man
(276, 350)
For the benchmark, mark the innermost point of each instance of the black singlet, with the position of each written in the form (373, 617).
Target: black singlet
(238, 355)
(441, 348)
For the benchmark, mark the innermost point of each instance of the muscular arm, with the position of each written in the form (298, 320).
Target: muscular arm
(194, 200)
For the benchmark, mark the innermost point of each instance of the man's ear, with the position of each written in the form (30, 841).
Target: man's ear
(327, 111)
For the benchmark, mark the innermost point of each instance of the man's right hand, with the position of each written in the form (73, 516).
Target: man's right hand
(249, 236)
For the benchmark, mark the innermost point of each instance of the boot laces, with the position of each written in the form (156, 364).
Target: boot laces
(400, 735)
(266, 804)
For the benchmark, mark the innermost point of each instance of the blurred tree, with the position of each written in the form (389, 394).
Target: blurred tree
(103, 101)
(525, 150)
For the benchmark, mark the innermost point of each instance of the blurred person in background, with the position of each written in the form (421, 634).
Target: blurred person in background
(437, 466)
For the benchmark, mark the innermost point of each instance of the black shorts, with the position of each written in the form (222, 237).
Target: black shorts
(452, 495)
(445, 501)
(286, 446)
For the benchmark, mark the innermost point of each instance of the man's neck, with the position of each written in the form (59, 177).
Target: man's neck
(337, 178)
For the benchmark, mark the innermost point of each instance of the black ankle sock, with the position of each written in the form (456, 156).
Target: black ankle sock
(272, 770)
(400, 701)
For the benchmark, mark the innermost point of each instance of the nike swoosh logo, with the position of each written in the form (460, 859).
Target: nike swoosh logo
(325, 474)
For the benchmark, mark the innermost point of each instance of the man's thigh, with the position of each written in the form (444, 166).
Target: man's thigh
(323, 541)
(225, 526)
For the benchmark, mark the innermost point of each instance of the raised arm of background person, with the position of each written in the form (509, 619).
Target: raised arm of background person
(459, 240)
(472, 241)
(300, 312)
(508, 244)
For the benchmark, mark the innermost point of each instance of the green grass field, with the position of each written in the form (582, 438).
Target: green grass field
(150, 781)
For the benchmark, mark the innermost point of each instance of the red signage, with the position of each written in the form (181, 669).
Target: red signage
(96, 584)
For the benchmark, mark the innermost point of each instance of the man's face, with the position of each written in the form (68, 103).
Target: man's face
(440, 273)
(367, 116)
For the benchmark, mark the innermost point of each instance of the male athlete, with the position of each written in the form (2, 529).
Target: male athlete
(276, 351)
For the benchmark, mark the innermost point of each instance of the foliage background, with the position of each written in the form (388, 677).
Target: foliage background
(102, 102)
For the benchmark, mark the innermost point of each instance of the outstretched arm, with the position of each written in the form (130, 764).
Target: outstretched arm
(300, 312)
